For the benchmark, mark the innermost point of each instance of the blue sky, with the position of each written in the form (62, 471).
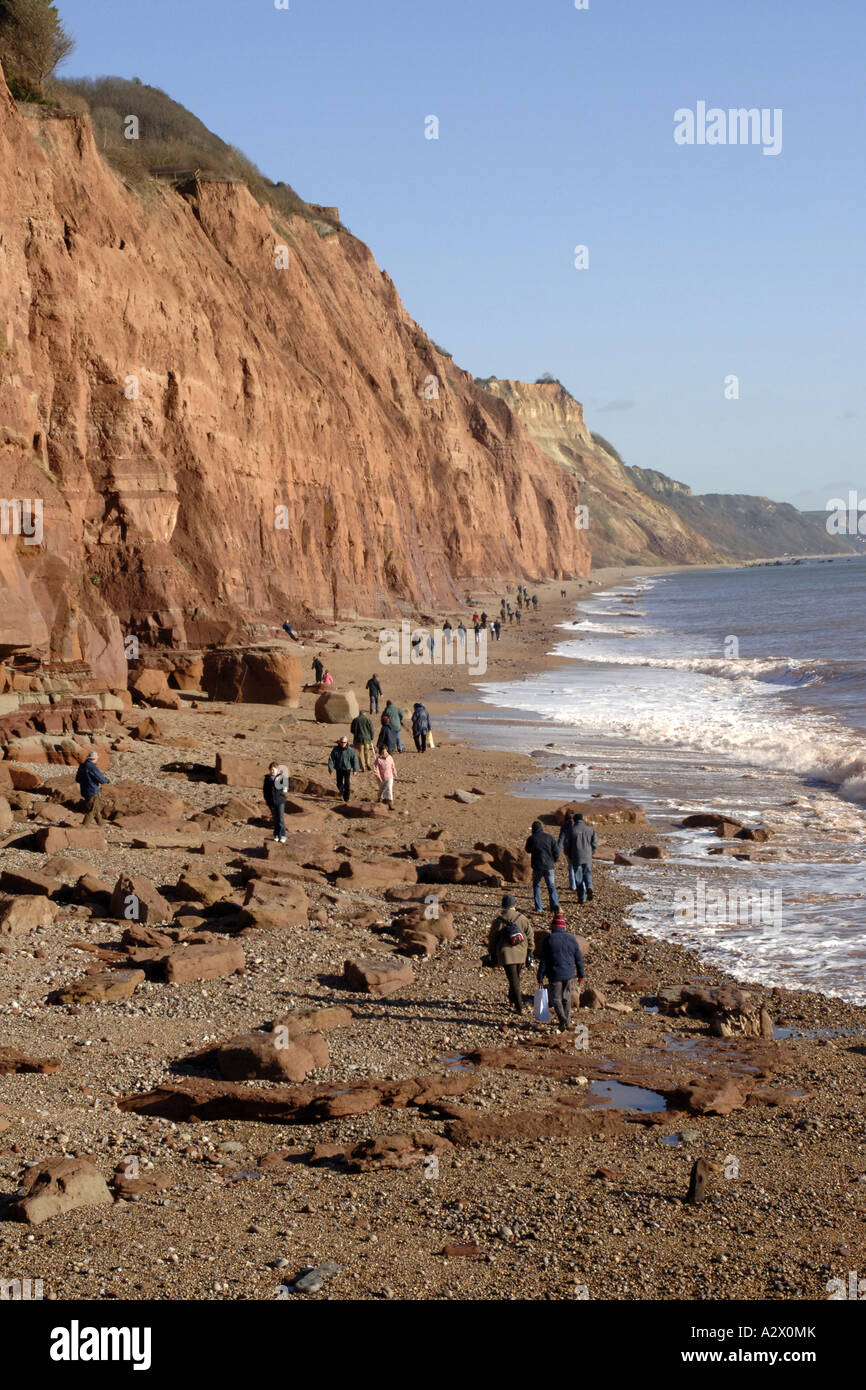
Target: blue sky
(556, 130)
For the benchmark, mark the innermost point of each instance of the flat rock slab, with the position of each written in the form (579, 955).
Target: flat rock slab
(57, 1186)
(470, 1128)
(379, 873)
(301, 1104)
(28, 881)
(103, 988)
(710, 1097)
(203, 962)
(13, 1062)
(179, 840)
(386, 1151)
(315, 1020)
(378, 977)
(56, 839)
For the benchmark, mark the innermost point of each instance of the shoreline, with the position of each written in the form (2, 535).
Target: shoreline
(611, 1125)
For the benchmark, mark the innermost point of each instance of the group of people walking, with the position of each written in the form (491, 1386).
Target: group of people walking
(578, 840)
(512, 943)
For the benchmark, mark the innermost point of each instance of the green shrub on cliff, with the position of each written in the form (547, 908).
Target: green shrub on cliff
(140, 130)
(32, 44)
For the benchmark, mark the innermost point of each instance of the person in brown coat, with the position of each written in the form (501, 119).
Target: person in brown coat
(508, 945)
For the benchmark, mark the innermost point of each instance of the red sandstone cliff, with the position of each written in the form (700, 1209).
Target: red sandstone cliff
(258, 388)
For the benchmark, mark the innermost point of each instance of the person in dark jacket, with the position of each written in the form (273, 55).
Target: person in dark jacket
(318, 668)
(90, 778)
(579, 841)
(343, 761)
(362, 739)
(287, 628)
(374, 689)
(505, 947)
(387, 740)
(395, 719)
(544, 853)
(274, 790)
(559, 962)
(420, 726)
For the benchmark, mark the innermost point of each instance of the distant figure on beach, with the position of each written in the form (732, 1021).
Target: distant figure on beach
(287, 628)
(461, 633)
(535, 600)
(420, 726)
(562, 593)
(519, 598)
(475, 621)
(343, 761)
(394, 717)
(387, 740)
(579, 841)
(544, 853)
(497, 628)
(318, 668)
(484, 620)
(416, 643)
(508, 945)
(519, 616)
(327, 679)
(431, 646)
(559, 962)
(274, 790)
(386, 770)
(362, 740)
(374, 689)
(90, 778)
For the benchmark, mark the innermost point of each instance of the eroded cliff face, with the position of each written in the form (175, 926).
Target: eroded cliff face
(228, 418)
(626, 525)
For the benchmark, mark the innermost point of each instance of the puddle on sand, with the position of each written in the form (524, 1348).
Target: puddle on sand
(672, 1139)
(456, 1061)
(796, 1034)
(679, 1044)
(623, 1097)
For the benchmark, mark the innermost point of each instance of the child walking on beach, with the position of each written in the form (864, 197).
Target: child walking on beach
(386, 770)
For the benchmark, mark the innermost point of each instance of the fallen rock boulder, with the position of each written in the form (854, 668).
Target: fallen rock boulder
(378, 977)
(336, 707)
(24, 914)
(137, 899)
(271, 1057)
(260, 676)
(56, 1186)
(103, 988)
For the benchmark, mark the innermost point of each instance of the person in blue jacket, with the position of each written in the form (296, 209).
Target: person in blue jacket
(559, 962)
(420, 727)
(90, 778)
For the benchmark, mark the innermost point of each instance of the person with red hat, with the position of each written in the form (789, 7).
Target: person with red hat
(560, 961)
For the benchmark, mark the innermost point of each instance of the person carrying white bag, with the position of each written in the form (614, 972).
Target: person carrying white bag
(559, 961)
(540, 1006)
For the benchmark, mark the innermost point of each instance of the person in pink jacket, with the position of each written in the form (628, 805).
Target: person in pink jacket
(386, 770)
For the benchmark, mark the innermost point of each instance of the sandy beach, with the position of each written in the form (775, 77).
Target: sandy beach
(561, 1161)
